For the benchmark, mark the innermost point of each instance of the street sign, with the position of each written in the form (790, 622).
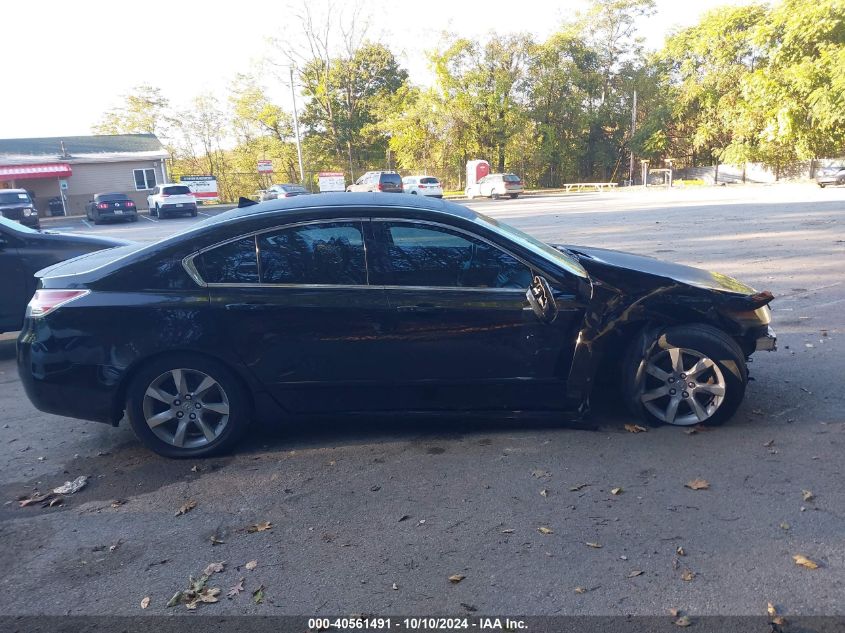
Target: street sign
(331, 181)
(63, 185)
(265, 167)
(204, 188)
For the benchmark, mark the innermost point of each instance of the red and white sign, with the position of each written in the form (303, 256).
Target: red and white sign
(331, 181)
(265, 167)
(203, 187)
(42, 170)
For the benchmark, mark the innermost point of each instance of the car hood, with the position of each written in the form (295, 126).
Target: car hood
(15, 205)
(594, 258)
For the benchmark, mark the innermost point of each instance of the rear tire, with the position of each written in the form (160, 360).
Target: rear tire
(211, 431)
(514, 196)
(709, 359)
(821, 185)
(194, 213)
(159, 213)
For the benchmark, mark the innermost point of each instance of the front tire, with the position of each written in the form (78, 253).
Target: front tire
(514, 196)
(821, 185)
(684, 375)
(187, 406)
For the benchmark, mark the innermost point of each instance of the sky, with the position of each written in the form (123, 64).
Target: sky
(79, 56)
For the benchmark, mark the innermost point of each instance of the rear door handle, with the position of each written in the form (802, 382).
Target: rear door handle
(420, 308)
(252, 307)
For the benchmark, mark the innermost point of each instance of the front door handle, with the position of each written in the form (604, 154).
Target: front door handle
(252, 307)
(420, 308)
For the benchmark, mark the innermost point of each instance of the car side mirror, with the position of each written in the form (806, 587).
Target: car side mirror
(542, 300)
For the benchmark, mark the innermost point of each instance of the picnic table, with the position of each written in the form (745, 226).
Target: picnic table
(581, 186)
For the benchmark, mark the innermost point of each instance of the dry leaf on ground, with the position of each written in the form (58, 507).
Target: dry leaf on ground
(507, 531)
(635, 573)
(698, 484)
(186, 507)
(681, 551)
(616, 491)
(771, 609)
(635, 428)
(540, 474)
(251, 565)
(544, 493)
(687, 575)
(803, 561)
(214, 568)
(580, 590)
(145, 602)
(236, 589)
(258, 595)
(807, 495)
(545, 530)
(674, 612)
(260, 527)
(593, 545)
(683, 621)
(456, 578)
(216, 540)
(578, 487)
(769, 444)
(784, 526)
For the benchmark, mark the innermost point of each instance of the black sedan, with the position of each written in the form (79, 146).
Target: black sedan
(360, 303)
(23, 251)
(111, 206)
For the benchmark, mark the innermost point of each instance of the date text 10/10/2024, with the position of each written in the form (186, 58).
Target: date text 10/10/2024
(416, 624)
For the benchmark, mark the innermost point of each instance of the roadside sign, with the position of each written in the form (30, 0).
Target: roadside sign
(331, 181)
(204, 187)
(63, 184)
(265, 167)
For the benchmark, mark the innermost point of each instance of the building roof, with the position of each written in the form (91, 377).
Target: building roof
(106, 148)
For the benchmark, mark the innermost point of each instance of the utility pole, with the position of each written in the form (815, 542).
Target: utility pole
(633, 130)
(296, 131)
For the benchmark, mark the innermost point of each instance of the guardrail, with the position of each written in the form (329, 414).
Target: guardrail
(580, 186)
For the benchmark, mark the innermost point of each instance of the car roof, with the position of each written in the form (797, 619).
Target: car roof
(111, 193)
(13, 191)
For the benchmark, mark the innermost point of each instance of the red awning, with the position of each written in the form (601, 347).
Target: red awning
(42, 170)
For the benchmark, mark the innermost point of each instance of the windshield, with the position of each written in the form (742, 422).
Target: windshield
(109, 197)
(14, 197)
(178, 190)
(511, 178)
(6, 223)
(533, 244)
(391, 178)
(429, 181)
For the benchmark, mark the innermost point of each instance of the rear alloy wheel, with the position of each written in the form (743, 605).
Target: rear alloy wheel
(187, 407)
(693, 374)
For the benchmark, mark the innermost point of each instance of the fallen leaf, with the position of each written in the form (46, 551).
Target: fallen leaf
(698, 484)
(55, 501)
(251, 565)
(214, 568)
(807, 495)
(235, 589)
(456, 578)
(404, 517)
(779, 620)
(691, 431)
(803, 561)
(145, 602)
(258, 595)
(680, 551)
(580, 590)
(195, 469)
(635, 428)
(260, 527)
(578, 487)
(683, 621)
(114, 546)
(507, 531)
(186, 507)
(540, 474)
(635, 573)
(771, 609)
(35, 497)
(616, 491)
(674, 612)
(784, 526)
(395, 587)
(71, 487)
(215, 540)
(544, 493)
(593, 545)
(545, 530)
(176, 599)
(117, 503)
(769, 443)
(687, 575)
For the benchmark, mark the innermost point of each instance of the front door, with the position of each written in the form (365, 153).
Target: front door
(13, 285)
(466, 337)
(301, 314)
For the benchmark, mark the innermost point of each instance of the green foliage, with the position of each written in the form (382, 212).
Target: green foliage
(144, 111)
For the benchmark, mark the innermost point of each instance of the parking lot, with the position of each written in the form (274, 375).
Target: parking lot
(357, 516)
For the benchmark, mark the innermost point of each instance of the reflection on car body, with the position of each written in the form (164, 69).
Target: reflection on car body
(367, 303)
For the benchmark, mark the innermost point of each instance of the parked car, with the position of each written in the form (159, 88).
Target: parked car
(496, 185)
(17, 205)
(283, 191)
(833, 175)
(111, 206)
(341, 303)
(386, 181)
(23, 251)
(423, 186)
(166, 200)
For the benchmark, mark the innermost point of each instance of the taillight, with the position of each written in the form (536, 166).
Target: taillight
(380, 187)
(102, 205)
(45, 301)
(129, 203)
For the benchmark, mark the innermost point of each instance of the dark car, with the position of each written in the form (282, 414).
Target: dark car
(17, 205)
(384, 181)
(283, 191)
(832, 175)
(111, 206)
(23, 251)
(362, 303)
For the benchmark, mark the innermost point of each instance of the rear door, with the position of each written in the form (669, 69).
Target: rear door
(465, 335)
(13, 286)
(300, 312)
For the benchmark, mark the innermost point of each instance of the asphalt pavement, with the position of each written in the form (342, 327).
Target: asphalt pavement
(374, 516)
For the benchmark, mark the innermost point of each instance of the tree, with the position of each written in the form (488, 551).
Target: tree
(144, 111)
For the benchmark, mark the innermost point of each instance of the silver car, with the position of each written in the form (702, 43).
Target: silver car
(833, 175)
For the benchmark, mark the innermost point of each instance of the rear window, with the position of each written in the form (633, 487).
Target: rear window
(293, 189)
(177, 190)
(396, 179)
(429, 181)
(511, 178)
(110, 197)
(13, 198)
